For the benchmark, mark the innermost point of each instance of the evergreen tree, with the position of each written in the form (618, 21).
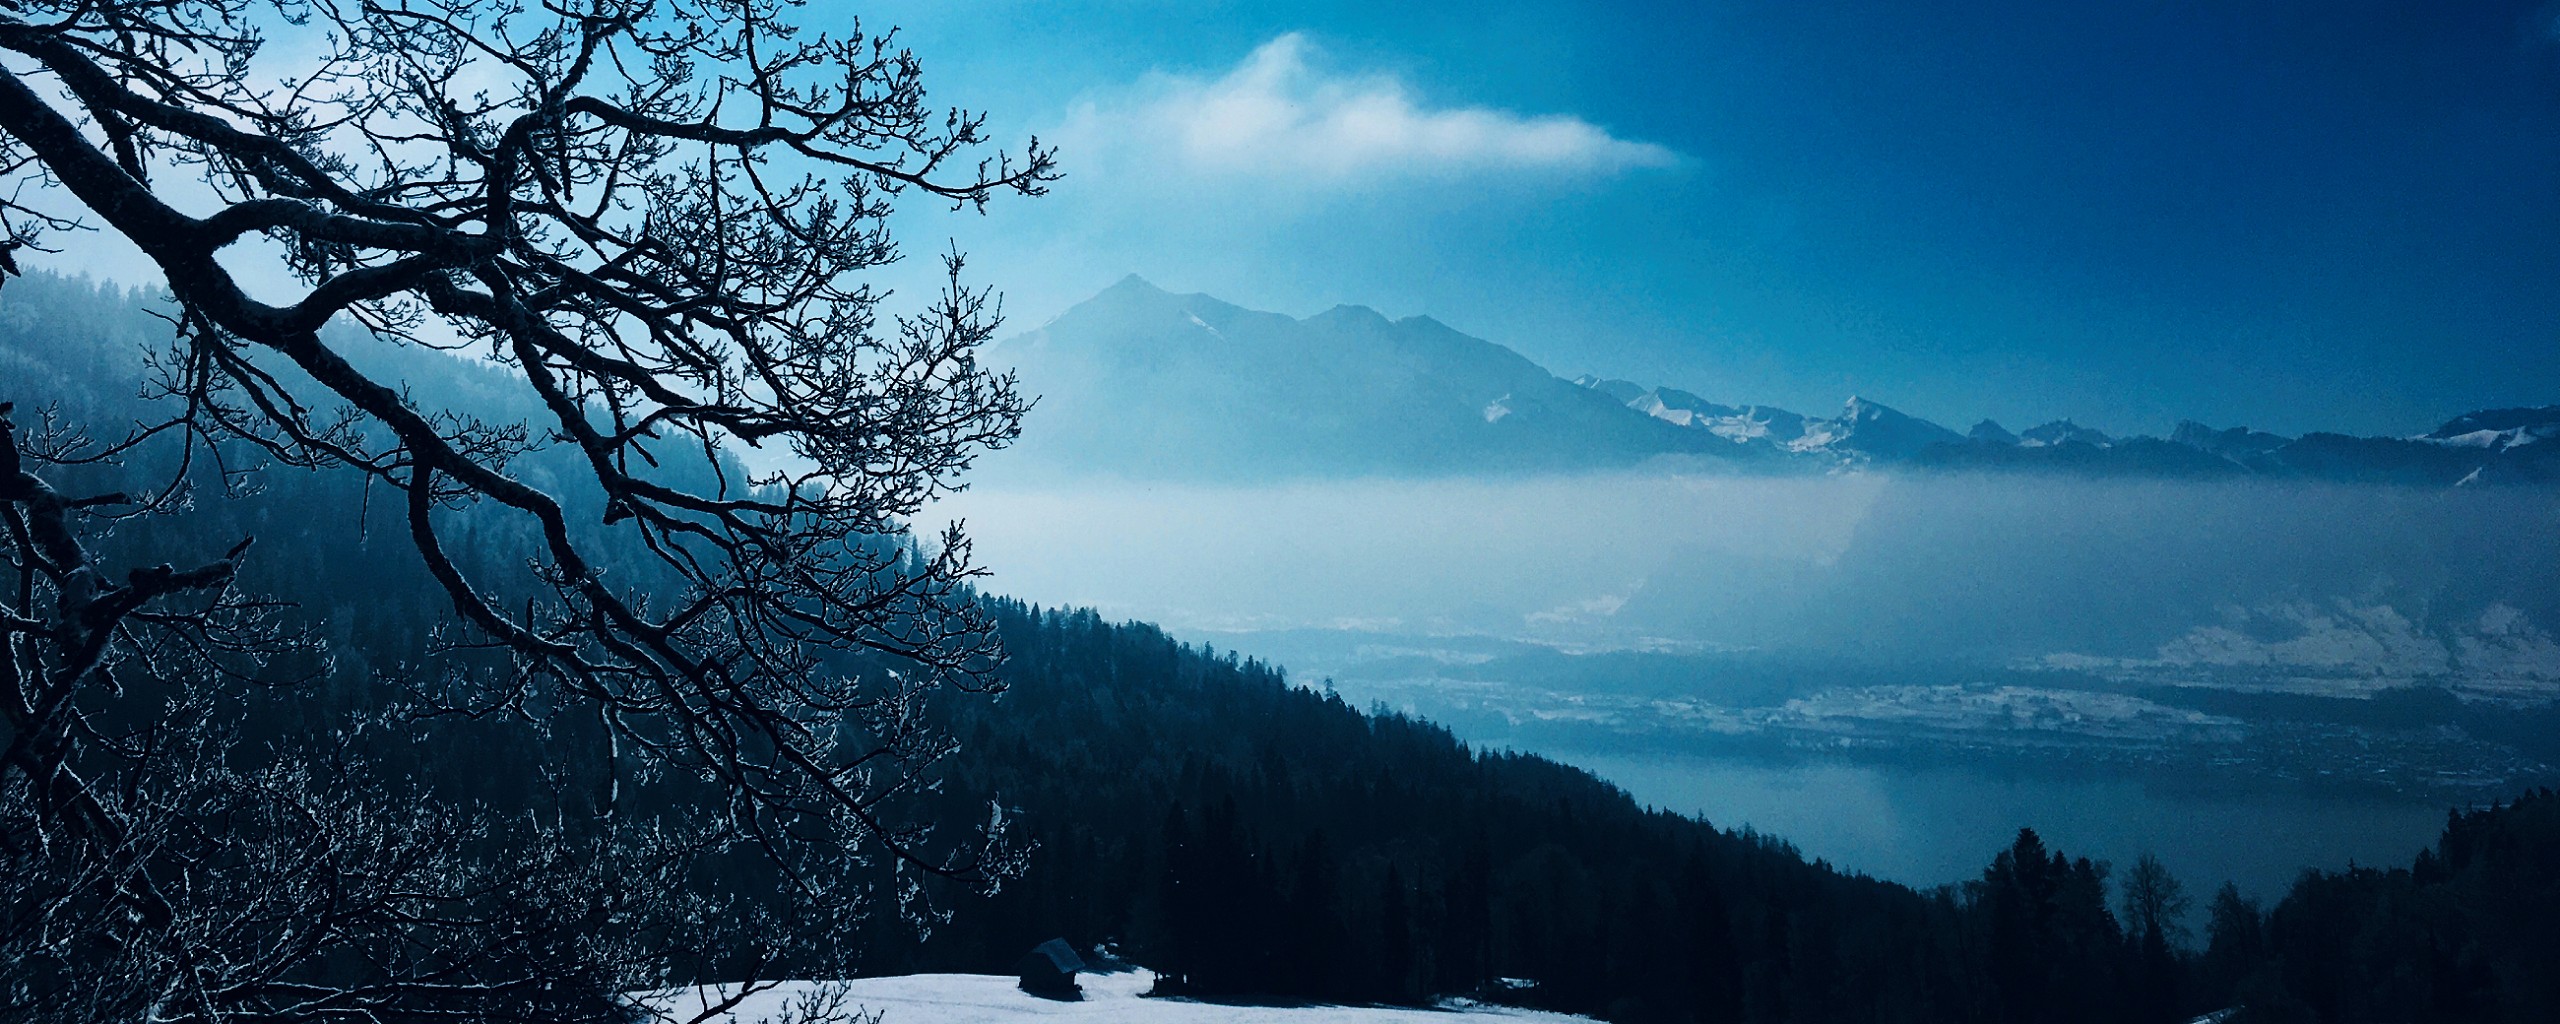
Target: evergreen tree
(1467, 929)
(1314, 937)
(2235, 945)
(1177, 946)
(1395, 941)
(1712, 971)
(2020, 895)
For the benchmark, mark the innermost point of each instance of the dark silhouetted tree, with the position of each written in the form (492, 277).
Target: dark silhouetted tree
(2154, 904)
(2235, 945)
(2153, 900)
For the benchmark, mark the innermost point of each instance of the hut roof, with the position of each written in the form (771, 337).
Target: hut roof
(1058, 955)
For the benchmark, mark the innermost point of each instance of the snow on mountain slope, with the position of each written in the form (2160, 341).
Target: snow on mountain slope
(2376, 640)
(993, 999)
(2495, 440)
(1754, 422)
(2062, 432)
(1874, 430)
(1141, 383)
(2346, 648)
(2011, 710)
(1863, 430)
(1738, 424)
(2498, 428)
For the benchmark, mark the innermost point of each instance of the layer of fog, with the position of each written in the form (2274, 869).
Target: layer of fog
(1884, 570)
(1943, 567)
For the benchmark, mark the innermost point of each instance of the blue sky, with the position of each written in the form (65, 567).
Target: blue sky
(2291, 215)
(2296, 215)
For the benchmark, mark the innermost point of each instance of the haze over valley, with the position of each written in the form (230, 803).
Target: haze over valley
(1991, 625)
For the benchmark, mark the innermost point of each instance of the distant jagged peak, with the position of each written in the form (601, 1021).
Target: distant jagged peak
(1133, 293)
(2498, 429)
(1132, 284)
(2191, 432)
(1772, 414)
(1991, 432)
(2231, 442)
(1679, 408)
(1131, 296)
(1137, 307)
(1738, 424)
(1873, 429)
(1674, 398)
(2497, 419)
(1859, 409)
(1625, 391)
(1350, 311)
(1353, 390)
(2062, 431)
(1130, 292)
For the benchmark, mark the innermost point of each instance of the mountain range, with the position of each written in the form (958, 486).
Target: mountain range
(1142, 383)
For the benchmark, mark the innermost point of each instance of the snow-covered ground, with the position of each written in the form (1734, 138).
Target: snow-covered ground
(2078, 714)
(993, 999)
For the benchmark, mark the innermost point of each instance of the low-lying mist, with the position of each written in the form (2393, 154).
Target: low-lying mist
(1866, 565)
(1775, 619)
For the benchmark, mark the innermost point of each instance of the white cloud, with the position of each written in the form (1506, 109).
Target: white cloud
(1279, 116)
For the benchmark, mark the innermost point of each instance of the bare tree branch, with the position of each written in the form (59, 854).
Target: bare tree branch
(661, 217)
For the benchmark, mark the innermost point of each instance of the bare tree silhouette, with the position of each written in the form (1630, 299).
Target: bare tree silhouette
(661, 218)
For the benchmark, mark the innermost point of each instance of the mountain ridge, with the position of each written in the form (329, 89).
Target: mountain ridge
(1141, 382)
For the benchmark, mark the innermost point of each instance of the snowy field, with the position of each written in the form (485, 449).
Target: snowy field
(974, 998)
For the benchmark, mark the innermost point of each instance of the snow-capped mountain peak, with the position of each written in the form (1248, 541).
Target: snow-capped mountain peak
(2062, 432)
(1142, 381)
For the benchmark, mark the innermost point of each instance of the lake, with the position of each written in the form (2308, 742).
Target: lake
(1929, 825)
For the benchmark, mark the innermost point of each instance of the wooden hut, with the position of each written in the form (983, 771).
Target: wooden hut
(1049, 970)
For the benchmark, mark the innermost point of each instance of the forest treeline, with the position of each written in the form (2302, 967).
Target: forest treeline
(1248, 836)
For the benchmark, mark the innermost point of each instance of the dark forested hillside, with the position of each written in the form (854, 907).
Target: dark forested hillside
(1248, 837)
